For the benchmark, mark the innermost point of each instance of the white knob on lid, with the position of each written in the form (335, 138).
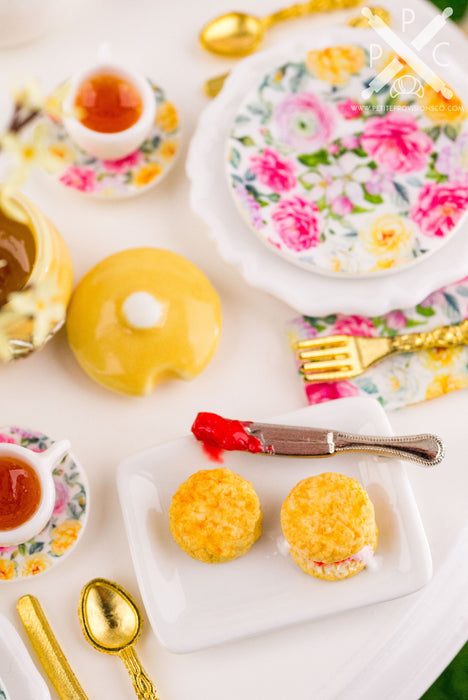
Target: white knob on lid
(141, 310)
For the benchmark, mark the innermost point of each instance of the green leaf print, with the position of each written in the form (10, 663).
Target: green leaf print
(425, 310)
(433, 132)
(36, 547)
(234, 157)
(451, 131)
(360, 152)
(372, 198)
(245, 140)
(314, 159)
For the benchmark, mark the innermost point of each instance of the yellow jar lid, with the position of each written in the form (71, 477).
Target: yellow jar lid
(141, 316)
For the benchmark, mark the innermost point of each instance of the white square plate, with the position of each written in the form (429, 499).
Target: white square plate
(192, 605)
(19, 678)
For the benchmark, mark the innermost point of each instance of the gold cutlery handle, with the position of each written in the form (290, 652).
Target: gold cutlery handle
(427, 450)
(306, 8)
(442, 337)
(142, 683)
(213, 86)
(48, 650)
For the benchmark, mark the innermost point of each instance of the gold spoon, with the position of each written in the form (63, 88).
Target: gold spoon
(111, 623)
(238, 34)
(213, 86)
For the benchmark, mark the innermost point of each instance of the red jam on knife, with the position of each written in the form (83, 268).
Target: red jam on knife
(218, 434)
(20, 493)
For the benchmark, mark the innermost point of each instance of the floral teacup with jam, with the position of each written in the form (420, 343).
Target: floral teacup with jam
(35, 279)
(109, 110)
(27, 490)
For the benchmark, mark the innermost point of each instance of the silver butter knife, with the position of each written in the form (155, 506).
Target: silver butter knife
(427, 450)
(218, 434)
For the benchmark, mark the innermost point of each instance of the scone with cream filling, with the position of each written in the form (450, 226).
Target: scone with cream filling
(328, 521)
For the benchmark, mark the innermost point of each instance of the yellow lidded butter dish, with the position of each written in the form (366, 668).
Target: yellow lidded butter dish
(142, 316)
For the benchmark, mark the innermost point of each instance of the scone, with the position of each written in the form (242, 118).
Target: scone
(215, 516)
(329, 523)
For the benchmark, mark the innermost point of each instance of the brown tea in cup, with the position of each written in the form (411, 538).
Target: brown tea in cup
(108, 103)
(20, 492)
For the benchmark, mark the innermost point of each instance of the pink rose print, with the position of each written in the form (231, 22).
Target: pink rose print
(272, 171)
(395, 142)
(396, 320)
(350, 141)
(8, 550)
(350, 109)
(297, 223)
(342, 206)
(354, 325)
(26, 434)
(439, 207)
(61, 496)
(78, 178)
(123, 164)
(305, 123)
(328, 391)
(6, 438)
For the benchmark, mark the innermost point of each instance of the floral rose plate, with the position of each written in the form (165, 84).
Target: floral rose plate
(340, 182)
(125, 177)
(68, 520)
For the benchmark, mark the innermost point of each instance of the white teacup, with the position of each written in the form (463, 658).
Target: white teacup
(110, 146)
(42, 463)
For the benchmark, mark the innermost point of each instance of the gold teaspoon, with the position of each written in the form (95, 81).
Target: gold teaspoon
(238, 34)
(213, 86)
(111, 623)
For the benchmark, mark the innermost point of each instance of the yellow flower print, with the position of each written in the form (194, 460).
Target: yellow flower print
(146, 174)
(445, 383)
(62, 152)
(386, 237)
(394, 382)
(41, 304)
(385, 264)
(166, 117)
(25, 154)
(7, 570)
(439, 109)
(35, 564)
(168, 149)
(64, 536)
(334, 65)
(437, 358)
(8, 325)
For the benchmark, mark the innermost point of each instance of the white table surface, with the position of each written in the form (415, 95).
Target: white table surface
(399, 647)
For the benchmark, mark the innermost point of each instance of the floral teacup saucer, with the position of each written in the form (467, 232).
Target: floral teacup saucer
(68, 520)
(340, 182)
(128, 176)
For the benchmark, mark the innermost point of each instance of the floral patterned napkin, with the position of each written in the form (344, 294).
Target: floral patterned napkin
(403, 379)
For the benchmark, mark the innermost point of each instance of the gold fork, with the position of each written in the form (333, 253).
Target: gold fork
(343, 356)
